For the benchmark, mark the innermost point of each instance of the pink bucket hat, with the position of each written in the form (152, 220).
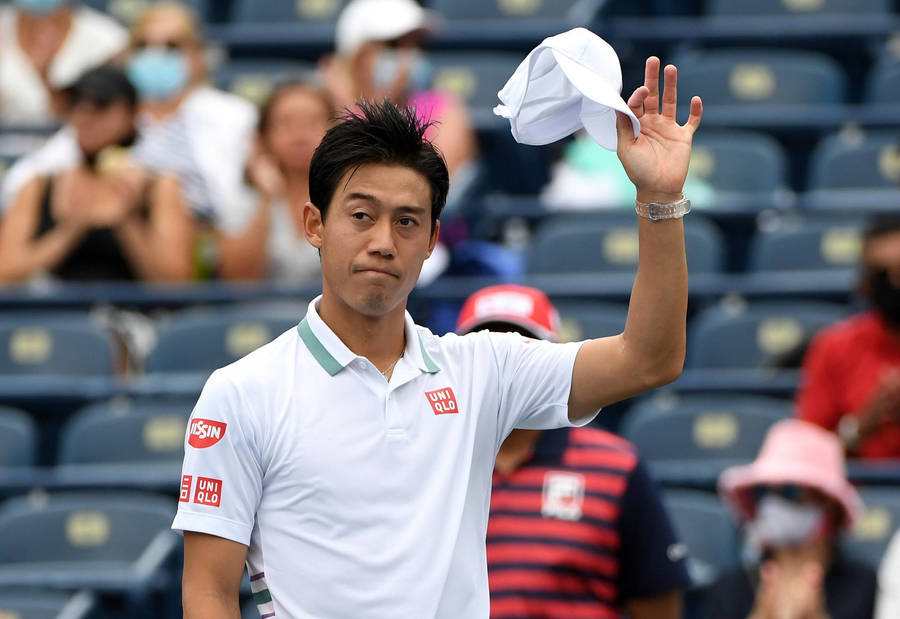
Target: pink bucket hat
(794, 452)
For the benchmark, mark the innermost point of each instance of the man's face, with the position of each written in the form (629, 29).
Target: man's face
(883, 254)
(376, 235)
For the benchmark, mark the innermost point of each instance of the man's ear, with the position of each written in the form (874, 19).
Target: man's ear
(434, 237)
(313, 224)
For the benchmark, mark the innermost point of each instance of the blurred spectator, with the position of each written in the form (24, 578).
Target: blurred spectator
(794, 500)
(851, 372)
(888, 605)
(201, 135)
(379, 55)
(291, 124)
(635, 565)
(590, 177)
(105, 219)
(46, 45)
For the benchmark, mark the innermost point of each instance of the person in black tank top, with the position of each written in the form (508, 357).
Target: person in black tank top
(107, 219)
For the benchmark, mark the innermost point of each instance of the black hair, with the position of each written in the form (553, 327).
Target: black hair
(102, 86)
(379, 133)
(880, 225)
(285, 86)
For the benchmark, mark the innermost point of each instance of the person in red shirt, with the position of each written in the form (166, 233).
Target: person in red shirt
(851, 371)
(576, 526)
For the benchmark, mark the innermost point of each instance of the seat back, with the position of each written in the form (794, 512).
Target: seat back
(203, 340)
(756, 335)
(577, 245)
(281, 11)
(474, 77)
(511, 10)
(751, 77)
(811, 245)
(702, 426)
(18, 438)
(739, 162)
(883, 85)
(69, 528)
(704, 526)
(869, 538)
(58, 343)
(857, 161)
(797, 7)
(38, 604)
(581, 320)
(119, 432)
(255, 79)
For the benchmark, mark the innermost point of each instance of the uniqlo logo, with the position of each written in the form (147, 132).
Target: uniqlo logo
(185, 495)
(208, 492)
(206, 433)
(442, 401)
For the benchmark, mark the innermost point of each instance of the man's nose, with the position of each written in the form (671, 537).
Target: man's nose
(382, 239)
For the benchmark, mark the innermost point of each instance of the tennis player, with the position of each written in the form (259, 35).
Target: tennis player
(348, 463)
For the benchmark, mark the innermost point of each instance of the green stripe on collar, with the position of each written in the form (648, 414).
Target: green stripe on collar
(431, 365)
(318, 350)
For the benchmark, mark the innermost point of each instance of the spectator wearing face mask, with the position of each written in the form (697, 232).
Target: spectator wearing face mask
(379, 56)
(794, 501)
(46, 45)
(272, 245)
(851, 372)
(105, 219)
(201, 135)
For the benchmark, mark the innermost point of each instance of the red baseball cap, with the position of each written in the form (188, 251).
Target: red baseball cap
(522, 306)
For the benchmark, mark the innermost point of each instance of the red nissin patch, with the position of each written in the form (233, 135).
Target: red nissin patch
(206, 433)
(208, 492)
(185, 495)
(442, 401)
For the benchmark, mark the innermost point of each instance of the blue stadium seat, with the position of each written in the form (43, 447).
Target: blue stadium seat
(126, 12)
(475, 77)
(37, 604)
(581, 245)
(126, 432)
(104, 542)
(254, 79)
(203, 340)
(750, 78)
(883, 85)
(57, 343)
(800, 9)
(581, 320)
(807, 245)
(756, 335)
(702, 427)
(743, 167)
(18, 438)
(281, 11)
(855, 170)
(514, 9)
(869, 538)
(705, 528)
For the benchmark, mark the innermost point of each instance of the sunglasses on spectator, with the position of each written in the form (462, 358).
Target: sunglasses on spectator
(173, 44)
(790, 492)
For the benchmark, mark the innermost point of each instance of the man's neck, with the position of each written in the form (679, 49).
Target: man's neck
(515, 450)
(380, 339)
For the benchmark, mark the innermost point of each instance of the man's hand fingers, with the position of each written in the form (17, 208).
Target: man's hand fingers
(651, 81)
(636, 100)
(670, 92)
(693, 121)
(624, 133)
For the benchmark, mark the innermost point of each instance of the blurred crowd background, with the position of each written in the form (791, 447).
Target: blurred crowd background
(153, 167)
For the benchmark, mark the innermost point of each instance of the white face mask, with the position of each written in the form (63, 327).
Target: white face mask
(782, 523)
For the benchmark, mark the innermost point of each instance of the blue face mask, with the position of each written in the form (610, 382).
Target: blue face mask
(39, 7)
(388, 67)
(158, 74)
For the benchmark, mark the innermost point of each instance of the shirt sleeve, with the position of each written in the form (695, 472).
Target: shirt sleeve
(535, 380)
(888, 603)
(221, 481)
(816, 400)
(652, 561)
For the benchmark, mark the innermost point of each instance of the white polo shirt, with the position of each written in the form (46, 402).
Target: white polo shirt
(360, 497)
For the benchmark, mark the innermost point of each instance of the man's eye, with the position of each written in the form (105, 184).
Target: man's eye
(359, 215)
(407, 221)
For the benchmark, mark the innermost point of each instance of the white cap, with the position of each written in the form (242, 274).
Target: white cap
(362, 21)
(569, 81)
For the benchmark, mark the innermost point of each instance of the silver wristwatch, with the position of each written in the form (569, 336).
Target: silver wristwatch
(655, 211)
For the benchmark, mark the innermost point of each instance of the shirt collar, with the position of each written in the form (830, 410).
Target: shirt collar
(333, 355)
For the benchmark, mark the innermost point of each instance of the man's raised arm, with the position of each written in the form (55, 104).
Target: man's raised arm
(650, 352)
